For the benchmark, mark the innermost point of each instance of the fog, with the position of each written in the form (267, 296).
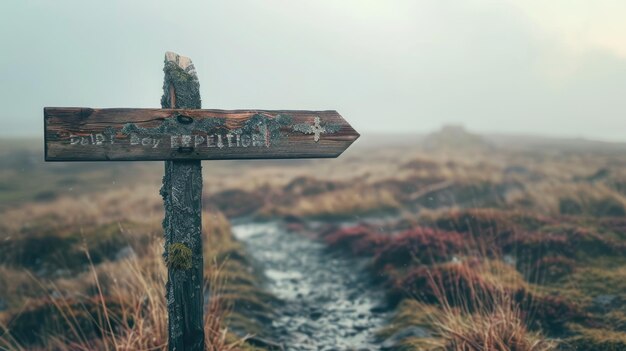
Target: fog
(553, 68)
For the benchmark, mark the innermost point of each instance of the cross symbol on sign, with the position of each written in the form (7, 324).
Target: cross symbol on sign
(317, 128)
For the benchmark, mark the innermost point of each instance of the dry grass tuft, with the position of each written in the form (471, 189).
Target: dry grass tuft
(125, 314)
(475, 318)
(500, 329)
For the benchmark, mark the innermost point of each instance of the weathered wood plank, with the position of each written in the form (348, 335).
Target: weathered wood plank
(182, 225)
(85, 134)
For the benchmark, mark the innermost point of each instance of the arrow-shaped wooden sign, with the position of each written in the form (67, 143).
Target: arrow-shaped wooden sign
(126, 134)
(182, 134)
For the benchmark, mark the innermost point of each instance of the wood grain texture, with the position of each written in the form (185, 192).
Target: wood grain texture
(84, 134)
(182, 200)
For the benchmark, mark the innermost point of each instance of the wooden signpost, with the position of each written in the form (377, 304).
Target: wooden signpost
(181, 134)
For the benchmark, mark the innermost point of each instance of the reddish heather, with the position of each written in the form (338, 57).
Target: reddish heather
(454, 284)
(532, 246)
(416, 245)
(462, 285)
(562, 241)
(549, 313)
(419, 245)
(595, 243)
(551, 269)
(616, 224)
(474, 221)
(362, 240)
(417, 262)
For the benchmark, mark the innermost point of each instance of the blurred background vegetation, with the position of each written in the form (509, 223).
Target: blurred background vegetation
(524, 237)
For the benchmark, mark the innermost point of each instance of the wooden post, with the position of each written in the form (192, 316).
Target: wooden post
(182, 225)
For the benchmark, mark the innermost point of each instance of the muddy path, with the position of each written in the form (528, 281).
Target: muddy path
(328, 303)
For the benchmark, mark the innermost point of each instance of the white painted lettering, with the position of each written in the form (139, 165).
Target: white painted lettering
(134, 139)
(198, 140)
(257, 140)
(230, 139)
(174, 141)
(245, 140)
(185, 140)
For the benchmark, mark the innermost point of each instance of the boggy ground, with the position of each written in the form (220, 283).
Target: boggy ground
(520, 239)
(327, 302)
(525, 239)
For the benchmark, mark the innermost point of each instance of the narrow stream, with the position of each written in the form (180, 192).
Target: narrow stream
(328, 303)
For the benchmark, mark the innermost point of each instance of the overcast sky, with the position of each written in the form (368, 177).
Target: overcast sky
(551, 67)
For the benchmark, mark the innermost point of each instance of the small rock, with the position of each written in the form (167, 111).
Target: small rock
(379, 309)
(306, 329)
(510, 260)
(315, 315)
(360, 327)
(606, 302)
(125, 252)
(604, 299)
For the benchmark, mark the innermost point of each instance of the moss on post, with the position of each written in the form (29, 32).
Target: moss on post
(179, 256)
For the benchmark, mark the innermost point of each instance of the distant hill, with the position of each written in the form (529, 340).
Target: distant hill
(452, 137)
(533, 142)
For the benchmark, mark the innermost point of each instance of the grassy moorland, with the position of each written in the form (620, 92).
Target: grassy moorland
(480, 243)
(81, 265)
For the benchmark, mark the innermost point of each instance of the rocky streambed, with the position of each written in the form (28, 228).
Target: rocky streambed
(327, 301)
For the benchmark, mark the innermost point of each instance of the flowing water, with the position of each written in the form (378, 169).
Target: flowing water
(328, 302)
